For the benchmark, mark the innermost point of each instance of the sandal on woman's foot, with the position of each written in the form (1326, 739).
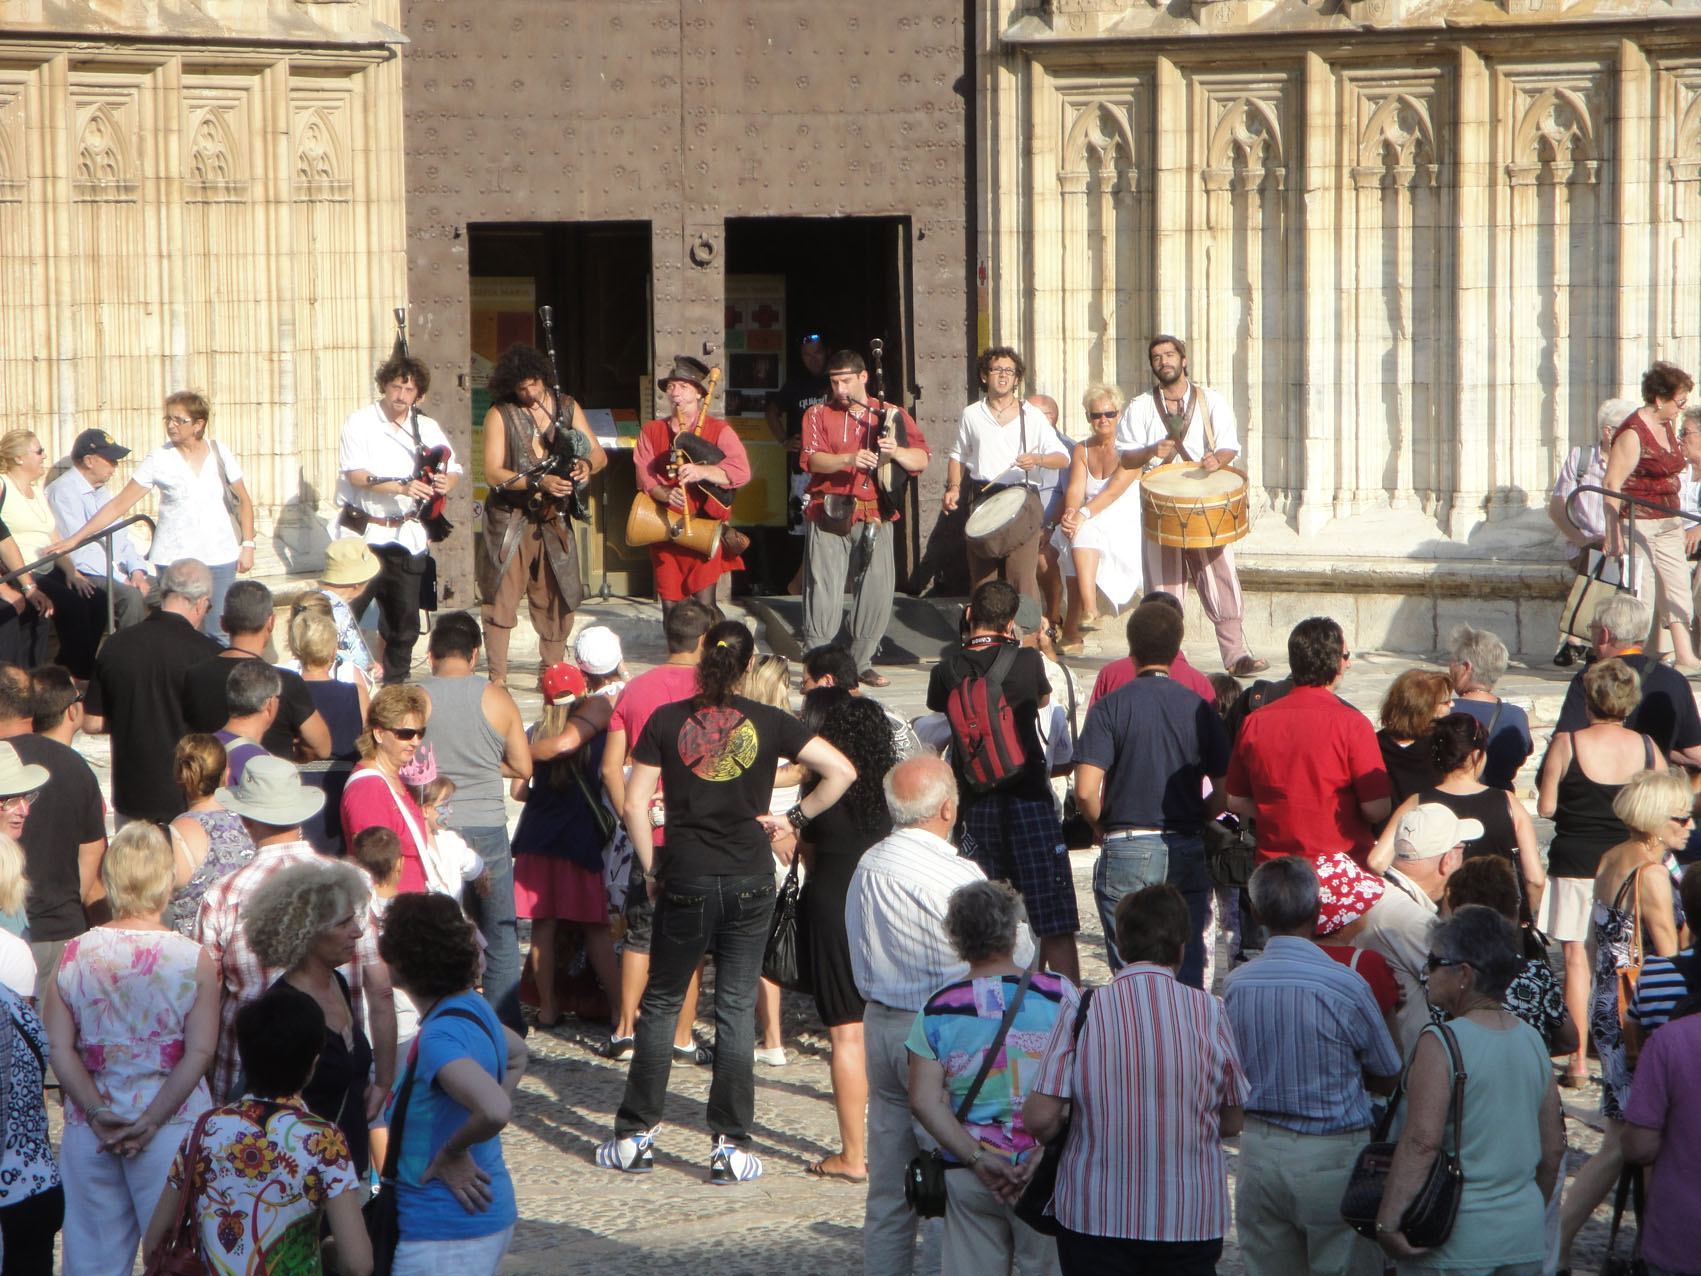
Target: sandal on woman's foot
(1567, 1081)
(819, 1170)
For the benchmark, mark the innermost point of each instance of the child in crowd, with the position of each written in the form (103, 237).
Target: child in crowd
(379, 851)
(449, 862)
(566, 829)
(1225, 900)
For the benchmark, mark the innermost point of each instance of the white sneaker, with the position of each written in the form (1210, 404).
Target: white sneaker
(773, 1056)
(632, 1154)
(729, 1163)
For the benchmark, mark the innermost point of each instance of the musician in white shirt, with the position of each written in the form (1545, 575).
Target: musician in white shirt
(381, 500)
(1001, 441)
(1181, 420)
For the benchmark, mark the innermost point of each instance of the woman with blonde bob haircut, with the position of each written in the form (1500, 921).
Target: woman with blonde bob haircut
(1633, 893)
(132, 1015)
(1098, 538)
(305, 921)
(375, 793)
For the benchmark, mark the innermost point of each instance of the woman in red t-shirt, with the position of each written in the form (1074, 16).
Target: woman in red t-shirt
(375, 793)
(1646, 461)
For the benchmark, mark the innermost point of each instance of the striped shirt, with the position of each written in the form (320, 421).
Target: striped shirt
(1156, 1061)
(895, 918)
(1658, 991)
(1308, 1028)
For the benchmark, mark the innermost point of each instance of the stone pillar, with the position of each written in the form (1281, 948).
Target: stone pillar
(1173, 240)
(1472, 409)
(1315, 348)
(1638, 208)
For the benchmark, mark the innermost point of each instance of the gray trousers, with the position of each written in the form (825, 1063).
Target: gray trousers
(827, 561)
(889, 1229)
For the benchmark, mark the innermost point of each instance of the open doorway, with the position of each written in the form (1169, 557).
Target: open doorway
(596, 277)
(845, 279)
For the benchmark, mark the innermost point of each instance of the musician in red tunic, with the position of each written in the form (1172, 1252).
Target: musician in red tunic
(704, 490)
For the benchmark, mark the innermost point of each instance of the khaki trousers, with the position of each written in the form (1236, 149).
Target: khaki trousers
(1287, 1203)
(982, 1235)
(889, 1229)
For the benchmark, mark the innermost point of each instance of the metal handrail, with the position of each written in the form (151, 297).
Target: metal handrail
(105, 535)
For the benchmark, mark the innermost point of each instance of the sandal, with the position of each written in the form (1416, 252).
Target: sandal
(871, 679)
(819, 1170)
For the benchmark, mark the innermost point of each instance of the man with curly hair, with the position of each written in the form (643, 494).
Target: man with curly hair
(381, 499)
(529, 548)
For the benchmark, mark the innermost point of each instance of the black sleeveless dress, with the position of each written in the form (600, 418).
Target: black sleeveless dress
(1499, 836)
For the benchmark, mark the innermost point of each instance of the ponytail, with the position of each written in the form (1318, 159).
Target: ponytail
(727, 649)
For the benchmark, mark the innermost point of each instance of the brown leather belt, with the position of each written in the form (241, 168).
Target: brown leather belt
(389, 522)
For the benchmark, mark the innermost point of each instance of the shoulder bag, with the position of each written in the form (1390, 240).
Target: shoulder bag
(1033, 1207)
(1631, 972)
(1428, 1220)
(232, 502)
(382, 1212)
(786, 962)
(179, 1250)
(924, 1176)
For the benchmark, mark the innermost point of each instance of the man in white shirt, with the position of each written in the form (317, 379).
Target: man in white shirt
(1179, 421)
(78, 495)
(895, 919)
(1002, 441)
(381, 500)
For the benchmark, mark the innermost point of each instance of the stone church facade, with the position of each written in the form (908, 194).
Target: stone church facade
(1416, 244)
(205, 197)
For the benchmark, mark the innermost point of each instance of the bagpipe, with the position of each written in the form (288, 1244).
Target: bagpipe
(650, 522)
(428, 462)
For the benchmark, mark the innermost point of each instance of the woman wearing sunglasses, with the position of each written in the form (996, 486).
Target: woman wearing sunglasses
(1099, 537)
(1636, 915)
(376, 793)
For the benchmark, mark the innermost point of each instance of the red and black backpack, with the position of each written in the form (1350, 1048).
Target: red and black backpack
(984, 738)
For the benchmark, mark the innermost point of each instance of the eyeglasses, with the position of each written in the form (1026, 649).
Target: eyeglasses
(1433, 963)
(1001, 372)
(406, 733)
(19, 800)
(178, 420)
(1102, 416)
(1688, 817)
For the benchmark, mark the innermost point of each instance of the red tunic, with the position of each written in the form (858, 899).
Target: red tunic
(682, 572)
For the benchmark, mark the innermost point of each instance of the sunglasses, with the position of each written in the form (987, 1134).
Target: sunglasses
(1688, 817)
(1101, 416)
(1436, 963)
(178, 420)
(405, 733)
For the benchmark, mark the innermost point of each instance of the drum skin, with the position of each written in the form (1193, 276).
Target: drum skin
(1004, 521)
(1189, 507)
(649, 523)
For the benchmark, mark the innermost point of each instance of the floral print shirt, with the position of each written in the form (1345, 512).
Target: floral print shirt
(130, 993)
(262, 1175)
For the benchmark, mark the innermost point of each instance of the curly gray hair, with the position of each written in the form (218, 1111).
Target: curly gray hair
(296, 905)
(980, 920)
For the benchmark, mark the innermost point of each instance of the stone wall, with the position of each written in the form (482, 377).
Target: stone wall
(1415, 244)
(685, 113)
(213, 203)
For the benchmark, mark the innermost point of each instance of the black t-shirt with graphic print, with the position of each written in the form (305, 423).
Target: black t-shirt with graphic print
(717, 766)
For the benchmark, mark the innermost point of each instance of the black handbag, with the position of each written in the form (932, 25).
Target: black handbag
(1231, 852)
(1632, 1264)
(1428, 1220)
(785, 961)
(924, 1176)
(1033, 1207)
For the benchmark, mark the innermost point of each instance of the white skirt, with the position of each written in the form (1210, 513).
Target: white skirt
(1118, 537)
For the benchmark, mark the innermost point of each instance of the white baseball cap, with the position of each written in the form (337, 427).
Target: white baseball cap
(597, 650)
(1427, 831)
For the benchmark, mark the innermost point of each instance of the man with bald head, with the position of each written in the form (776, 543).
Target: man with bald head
(895, 918)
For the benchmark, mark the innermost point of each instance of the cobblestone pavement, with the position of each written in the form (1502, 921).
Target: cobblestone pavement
(575, 1218)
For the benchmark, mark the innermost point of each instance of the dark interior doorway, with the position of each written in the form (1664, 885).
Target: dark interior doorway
(848, 280)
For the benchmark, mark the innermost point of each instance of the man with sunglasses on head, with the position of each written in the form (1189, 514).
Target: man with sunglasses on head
(1182, 422)
(1002, 441)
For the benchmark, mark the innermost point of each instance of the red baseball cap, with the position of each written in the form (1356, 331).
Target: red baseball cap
(562, 681)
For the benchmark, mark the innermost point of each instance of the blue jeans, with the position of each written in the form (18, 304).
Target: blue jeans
(224, 576)
(729, 917)
(495, 919)
(1127, 864)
